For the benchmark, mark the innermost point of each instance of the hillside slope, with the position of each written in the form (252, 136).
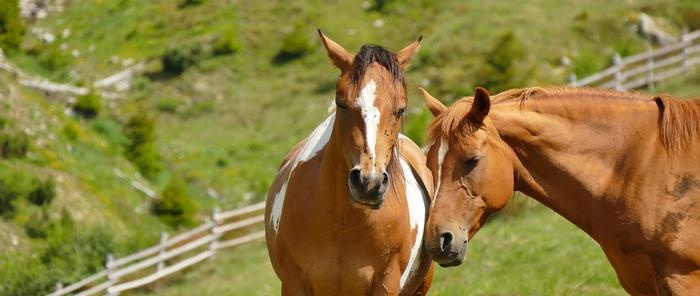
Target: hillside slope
(233, 85)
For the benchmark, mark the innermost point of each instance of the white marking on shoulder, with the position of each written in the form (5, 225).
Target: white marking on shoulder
(312, 145)
(370, 114)
(416, 199)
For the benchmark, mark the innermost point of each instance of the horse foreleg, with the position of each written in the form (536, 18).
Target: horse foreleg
(427, 281)
(389, 283)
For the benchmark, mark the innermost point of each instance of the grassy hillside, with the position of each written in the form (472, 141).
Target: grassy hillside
(231, 86)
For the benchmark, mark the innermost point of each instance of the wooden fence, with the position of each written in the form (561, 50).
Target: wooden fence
(647, 68)
(172, 254)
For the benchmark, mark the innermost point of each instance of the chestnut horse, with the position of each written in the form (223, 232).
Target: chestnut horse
(623, 167)
(345, 215)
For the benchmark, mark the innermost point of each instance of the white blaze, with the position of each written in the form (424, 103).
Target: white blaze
(370, 114)
(313, 144)
(441, 158)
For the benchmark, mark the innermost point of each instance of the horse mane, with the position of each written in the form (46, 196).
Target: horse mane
(679, 120)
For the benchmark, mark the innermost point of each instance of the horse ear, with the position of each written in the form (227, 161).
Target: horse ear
(434, 105)
(341, 58)
(481, 106)
(404, 56)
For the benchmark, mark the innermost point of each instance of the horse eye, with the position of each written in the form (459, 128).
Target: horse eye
(340, 105)
(472, 162)
(399, 112)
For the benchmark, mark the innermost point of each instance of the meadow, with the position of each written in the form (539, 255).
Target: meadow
(230, 86)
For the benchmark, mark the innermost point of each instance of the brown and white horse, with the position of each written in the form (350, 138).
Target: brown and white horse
(345, 215)
(623, 167)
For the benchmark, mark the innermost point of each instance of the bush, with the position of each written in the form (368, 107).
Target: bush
(71, 130)
(14, 184)
(38, 225)
(11, 25)
(141, 148)
(43, 192)
(187, 3)
(498, 71)
(176, 60)
(88, 105)
(225, 45)
(295, 45)
(13, 143)
(174, 206)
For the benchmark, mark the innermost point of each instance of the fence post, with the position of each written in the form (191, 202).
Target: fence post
(214, 224)
(650, 67)
(617, 61)
(110, 270)
(686, 44)
(572, 79)
(161, 253)
(59, 286)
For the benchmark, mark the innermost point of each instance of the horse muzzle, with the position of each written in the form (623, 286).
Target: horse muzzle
(448, 249)
(368, 190)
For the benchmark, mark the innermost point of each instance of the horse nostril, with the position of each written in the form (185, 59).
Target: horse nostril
(385, 178)
(445, 241)
(354, 176)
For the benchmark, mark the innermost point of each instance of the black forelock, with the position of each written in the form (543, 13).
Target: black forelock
(373, 53)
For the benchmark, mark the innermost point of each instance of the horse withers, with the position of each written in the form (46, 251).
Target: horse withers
(346, 213)
(623, 167)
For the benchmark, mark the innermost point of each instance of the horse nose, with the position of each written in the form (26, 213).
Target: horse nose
(446, 241)
(368, 189)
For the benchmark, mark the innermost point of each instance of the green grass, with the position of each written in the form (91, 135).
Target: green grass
(225, 123)
(534, 252)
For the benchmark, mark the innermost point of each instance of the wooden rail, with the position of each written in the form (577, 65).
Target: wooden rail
(647, 68)
(154, 263)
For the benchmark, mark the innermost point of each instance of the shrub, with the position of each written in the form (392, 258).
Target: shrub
(71, 130)
(88, 105)
(11, 25)
(13, 143)
(141, 149)
(176, 60)
(70, 253)
(174, 206)
(187, 3)
(295, 45)
(38, 225)
(14, 184)
(43, 192)
(225, 45)
(498, 71)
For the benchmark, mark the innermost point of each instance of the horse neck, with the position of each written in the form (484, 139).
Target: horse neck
(573, 159)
